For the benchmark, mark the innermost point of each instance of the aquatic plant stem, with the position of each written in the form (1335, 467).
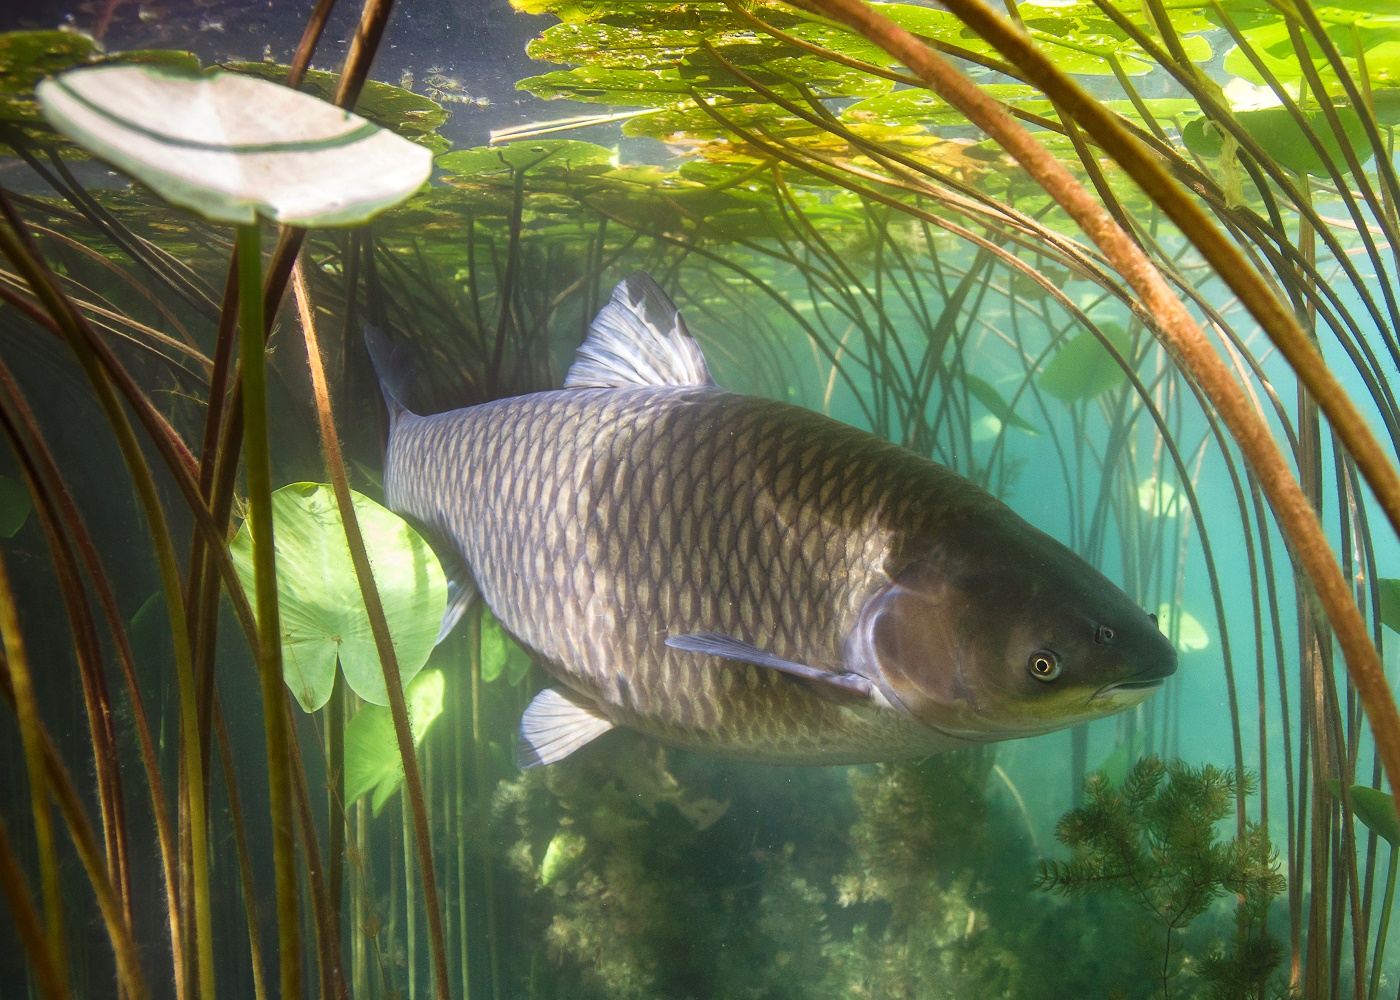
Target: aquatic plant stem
(27, 712)
(240, 843)
(1383, 931)
(29, 924)
(1178, 331)
(258, 464)
(379, 626)
(1225, 257)
(86, 347)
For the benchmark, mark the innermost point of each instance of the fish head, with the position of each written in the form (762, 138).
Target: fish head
(1016, 638)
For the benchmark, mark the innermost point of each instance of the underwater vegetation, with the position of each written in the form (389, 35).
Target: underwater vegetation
(1130, 266)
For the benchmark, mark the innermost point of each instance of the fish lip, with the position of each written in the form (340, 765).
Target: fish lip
(1132, 683)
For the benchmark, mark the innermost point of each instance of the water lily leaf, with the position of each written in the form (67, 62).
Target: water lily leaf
(998, 407)
(372, 761)
(26, 57)
(1373, 807)
(395, 108)
(323, 615)
(554, 155)
(231, 147)
(500, 655)
(1191, 634)
(1082, 368)
(1280, 135)
(15, 506)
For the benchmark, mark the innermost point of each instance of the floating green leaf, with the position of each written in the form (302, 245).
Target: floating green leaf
(232, 147)
(557, 155)
(1190, 635)
(15, 506)
(323, 614)
(372, 760)
(1082, 368)
(1280, 135)
(1374, 808)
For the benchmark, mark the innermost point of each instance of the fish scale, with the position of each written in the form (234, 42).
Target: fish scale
(705, 511)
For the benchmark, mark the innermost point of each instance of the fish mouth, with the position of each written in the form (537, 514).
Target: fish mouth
(1129, 687)
(1136, 686)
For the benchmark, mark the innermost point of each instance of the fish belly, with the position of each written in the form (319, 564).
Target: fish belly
(597, 523)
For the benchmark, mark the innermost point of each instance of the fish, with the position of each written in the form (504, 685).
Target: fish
(741, 576)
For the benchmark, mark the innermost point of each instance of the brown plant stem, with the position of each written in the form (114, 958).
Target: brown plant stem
(383, 642)
(19, 421)
(31, 926)
(70, 807)
(21, 682)
(1179, 332)
(1273, 316)
(245, 860)
(89, 350)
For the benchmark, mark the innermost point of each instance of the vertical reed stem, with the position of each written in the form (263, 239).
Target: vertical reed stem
(258, 462)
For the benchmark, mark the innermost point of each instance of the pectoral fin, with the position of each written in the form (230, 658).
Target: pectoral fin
(843, 687)
(461, 592)
(554, 726)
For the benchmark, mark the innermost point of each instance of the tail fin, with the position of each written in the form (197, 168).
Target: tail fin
(394, 370)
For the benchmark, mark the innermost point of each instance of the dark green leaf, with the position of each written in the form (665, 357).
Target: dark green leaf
(14, 506)
(1082, 368)
(1373, 807)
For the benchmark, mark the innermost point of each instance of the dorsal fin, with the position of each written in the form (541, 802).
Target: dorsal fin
(393, 369)
(638, 338)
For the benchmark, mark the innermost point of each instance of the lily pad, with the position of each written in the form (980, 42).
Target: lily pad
(546, 154)
(372, 761)
(1279, 135)
(15, 506)
(1083, 369)
(1191, 634)
(323, 615)
(232, 147)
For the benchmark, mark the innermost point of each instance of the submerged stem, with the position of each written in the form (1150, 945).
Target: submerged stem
(258, 464)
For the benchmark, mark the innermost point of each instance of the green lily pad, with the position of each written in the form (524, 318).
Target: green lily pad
(552, 154)
(1374, 808)
(231, 147)
(500, 655)
(323, 615)
(1281, 137)
(1191, 634)
(15, 506)
(372, 761)
(1082, 368)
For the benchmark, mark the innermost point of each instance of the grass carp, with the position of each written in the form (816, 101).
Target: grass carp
(739, 575)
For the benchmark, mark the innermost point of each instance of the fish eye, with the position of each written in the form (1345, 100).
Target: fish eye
(1044, 665)
(1103, 635)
